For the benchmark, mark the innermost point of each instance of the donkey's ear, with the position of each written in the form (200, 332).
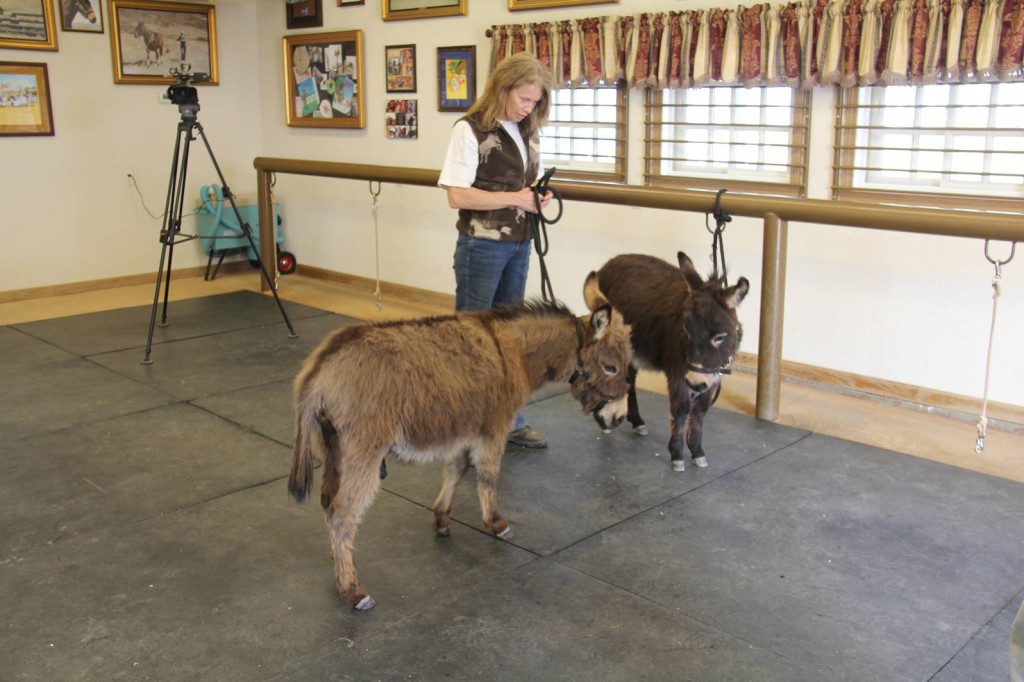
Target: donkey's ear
(735, 294)
(600, 320)
(689, 272)
(592, 293)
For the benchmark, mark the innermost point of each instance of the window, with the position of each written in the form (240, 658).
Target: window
(942, 145)
(723, 137)
(586, 135)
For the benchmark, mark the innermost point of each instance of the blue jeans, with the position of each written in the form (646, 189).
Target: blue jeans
(489, 273)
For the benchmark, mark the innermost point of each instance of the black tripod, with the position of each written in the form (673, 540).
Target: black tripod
(185, 96)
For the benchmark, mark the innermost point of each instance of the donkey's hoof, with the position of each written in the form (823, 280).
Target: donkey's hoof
(701, 461)
(640, 430)
(505, 534)
(443, 532)
(679, 465)
(365, 604)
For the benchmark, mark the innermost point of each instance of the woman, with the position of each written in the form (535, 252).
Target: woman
(493, 159)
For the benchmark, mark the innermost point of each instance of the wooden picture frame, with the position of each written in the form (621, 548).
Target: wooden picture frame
(85, 16)
(29, 27)
(397, 10)
(25, 102)
(516, 5)
(323, 83)
(456, 77)
(304, 14)
(400, 68)
(148, 38)
(350, 3)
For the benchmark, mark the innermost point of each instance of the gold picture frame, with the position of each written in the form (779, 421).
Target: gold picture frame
(25, 109)
(29, 29)
(148, 39)
(516, 5)
(396, 10)
(323, 81)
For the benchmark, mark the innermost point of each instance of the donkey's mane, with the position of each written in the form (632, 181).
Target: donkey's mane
(533, 307)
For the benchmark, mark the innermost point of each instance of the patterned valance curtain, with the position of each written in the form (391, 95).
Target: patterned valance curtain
(800, 44)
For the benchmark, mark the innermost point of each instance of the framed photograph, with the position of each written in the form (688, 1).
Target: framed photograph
(456, 77)
(25, 99)
(28, 25)
(148, 39)
(323, 80)
(543, 4)
(401, 68)
(348, 3)
(401, 120)
(304, 14)
(395, 10)
(81, 15)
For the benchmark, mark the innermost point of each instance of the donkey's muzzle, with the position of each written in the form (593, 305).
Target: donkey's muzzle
(610, 413)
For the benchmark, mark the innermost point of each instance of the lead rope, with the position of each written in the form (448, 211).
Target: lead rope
(376, 252)
(718, 239)
(979, 445)
(540, 231)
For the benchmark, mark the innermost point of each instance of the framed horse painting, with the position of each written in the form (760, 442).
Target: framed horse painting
(148, 39)
(81, 15)
(27, 25)
(25, 99)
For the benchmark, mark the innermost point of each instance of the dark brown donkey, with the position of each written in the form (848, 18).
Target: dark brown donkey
(442, 388)
(683, 326)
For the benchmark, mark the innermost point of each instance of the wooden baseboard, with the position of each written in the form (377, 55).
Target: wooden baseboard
(412, 294)
(13, 295)
(1009, 417)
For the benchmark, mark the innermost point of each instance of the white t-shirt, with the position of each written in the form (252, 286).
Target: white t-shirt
(463, 155)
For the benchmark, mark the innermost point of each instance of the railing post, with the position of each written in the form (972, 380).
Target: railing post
(268, 230)
(773, 297)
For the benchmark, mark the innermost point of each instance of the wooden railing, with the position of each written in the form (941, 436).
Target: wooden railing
(775, 212)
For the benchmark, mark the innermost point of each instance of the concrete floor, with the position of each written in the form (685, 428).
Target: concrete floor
(145, 533)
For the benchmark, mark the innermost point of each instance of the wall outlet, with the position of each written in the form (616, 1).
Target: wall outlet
(128, 178)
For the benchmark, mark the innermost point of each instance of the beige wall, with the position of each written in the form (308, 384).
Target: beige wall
(899, 307)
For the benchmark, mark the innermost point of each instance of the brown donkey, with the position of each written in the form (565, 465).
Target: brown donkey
(682, 325)
(442, 388)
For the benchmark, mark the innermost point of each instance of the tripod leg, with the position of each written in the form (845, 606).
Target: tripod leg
(146, 360)
(248, 232)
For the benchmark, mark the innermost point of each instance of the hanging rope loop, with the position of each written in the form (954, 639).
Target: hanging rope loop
(721, 274)
(540, 230)
(979, 444)
(376, 242)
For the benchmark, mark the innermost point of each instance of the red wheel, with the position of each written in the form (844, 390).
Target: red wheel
(286, 263)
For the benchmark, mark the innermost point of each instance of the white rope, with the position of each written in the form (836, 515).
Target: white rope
(979, 445)
(376, 243)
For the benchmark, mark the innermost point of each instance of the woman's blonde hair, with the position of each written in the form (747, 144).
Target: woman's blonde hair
(516, 70)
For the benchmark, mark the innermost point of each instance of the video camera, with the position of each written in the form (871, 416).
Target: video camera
(182, 93)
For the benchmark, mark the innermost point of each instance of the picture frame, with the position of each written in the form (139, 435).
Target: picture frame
(324, 80)
(456, 77)
(400, 68)
(516, 5)
(302, 14)
(401, 119)
(350, 3)
(398, 10)
(85, 16)
(25, 105)
(144, 46)
(29, 25)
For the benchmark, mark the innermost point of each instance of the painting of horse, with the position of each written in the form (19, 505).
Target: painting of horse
(153, 41)
(442, 389)
(80, 15)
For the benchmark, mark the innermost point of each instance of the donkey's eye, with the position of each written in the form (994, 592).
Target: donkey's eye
(718, 339)
(610, 369)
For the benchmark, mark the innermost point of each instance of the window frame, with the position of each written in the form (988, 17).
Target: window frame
(800, 125)
(621, 127)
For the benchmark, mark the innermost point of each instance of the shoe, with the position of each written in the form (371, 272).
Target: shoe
(526, 437)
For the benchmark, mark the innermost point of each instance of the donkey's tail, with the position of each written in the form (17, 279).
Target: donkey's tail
(308, 436)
